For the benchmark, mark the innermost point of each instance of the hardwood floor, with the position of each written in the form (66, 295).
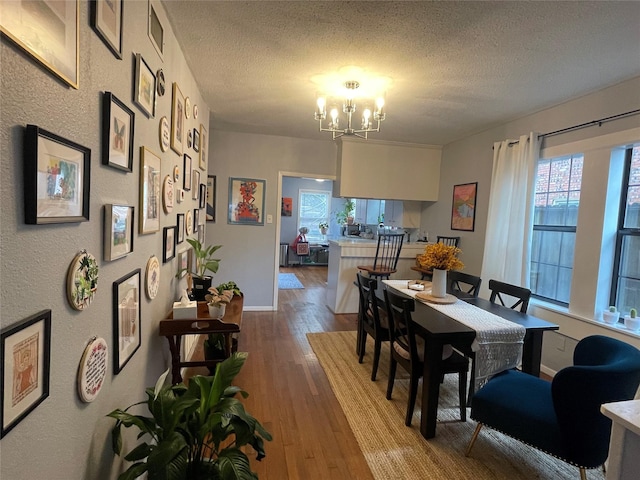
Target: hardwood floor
(289, 392)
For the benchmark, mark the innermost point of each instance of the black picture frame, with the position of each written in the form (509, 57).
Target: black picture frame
(180, 228)
(107, 23)
(57, 176)
(463, 207)
(211, 199)
(196, 219)
(203, 195)
(20, 342)
(168, 243)
(196, 139)
(118, 125)
(127, 337)
(186, 173)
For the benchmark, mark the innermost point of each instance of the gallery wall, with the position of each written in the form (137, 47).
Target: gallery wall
(64, 437)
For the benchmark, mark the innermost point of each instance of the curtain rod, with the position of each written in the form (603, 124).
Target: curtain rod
(584, 125)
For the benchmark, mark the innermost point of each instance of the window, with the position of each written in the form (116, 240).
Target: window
(556, 202)
(625, 288)
(314, 209)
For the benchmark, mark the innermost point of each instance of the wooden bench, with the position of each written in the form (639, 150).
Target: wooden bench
(229, 326)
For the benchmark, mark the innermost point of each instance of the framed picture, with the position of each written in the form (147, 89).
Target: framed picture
(118, 122)
(186, 183)
(188, 222)
(118, 231)
(196, 140)
(203, 195)
(196, 219)
(49, 32)
(126, 318)
(167, 194)
(286, 209)
(201, 234)
(211, 199)
(463, 209)
(156, 31)
(144, 94)
(195, 183)
(183, 263)
(180, 228)
(203, 148)
(152, 280)
(246, 201)
(177, 120)
(56, 177)
(168, 244)
(82, 280)
(25, 349)
(150, 178)
(106, 20)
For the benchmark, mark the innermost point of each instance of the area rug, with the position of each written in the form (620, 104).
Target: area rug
(393, 450)
(288, 281)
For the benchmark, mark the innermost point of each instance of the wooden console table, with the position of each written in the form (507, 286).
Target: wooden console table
(203, 324)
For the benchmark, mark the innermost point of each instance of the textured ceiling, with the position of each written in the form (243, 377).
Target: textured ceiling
(452, 68)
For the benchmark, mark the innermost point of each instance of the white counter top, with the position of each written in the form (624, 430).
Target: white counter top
(366, 242)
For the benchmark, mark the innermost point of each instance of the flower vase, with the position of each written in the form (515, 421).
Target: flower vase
(217, 311)
(439, 283)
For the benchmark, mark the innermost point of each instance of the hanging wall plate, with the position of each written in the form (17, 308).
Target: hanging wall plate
(82, 280)
(187, 107)
(165, 134)
(93, 369)
(167, 194)
(176, 173)
(152, 280)
(195, 111)
(161, 83)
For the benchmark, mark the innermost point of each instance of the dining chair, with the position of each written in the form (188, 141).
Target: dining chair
(387, 254)
(372, 320)
(407, 349)
(562, 417)
(463, 284)
(501, 292)
(451, 241)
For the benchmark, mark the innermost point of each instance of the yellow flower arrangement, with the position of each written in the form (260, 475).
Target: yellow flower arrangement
(440, 256)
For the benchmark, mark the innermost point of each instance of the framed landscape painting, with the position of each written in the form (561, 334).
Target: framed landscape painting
(463, 210)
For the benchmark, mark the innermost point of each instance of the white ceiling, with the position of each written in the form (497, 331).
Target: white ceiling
(454, 67)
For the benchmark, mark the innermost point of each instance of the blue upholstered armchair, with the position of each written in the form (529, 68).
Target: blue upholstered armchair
(563, 417)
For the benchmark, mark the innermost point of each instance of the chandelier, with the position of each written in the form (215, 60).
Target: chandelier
(349, 108)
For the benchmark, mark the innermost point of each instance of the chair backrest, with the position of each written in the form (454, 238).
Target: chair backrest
(369, 307)
(451, 241)
(604, 370)
(501, 292)
(388, 251)
(460, 282)
(399, 310)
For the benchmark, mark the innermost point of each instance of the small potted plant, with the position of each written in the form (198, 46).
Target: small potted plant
(196, 431)
(324, 227)
(631, 321)
(440, 258)
(611, 315)
(345, 216)
(217, 301)
(205, 262)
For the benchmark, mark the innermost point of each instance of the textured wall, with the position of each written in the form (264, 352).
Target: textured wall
(63, 437)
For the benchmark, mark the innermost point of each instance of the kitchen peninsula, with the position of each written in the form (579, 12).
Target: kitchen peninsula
(344, 257)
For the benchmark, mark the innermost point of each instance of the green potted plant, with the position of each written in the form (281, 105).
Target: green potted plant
(324, 227)
(631, 321)
(345, 216)
(611, 315)
(214, 344)
(193, 432)
(205, 262)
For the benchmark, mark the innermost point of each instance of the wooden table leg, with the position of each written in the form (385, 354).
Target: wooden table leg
(430, 387)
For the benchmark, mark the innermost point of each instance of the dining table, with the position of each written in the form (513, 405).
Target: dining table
(438, 329)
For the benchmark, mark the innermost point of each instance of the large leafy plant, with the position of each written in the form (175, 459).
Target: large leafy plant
(205, 260)
(193, 432)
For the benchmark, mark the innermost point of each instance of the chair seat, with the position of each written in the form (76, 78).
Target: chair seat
(521, 406)
(380, 271)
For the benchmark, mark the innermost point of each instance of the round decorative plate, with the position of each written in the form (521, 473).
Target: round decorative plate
(187, 107)
(188, 222)
(167, 194)
(93, 369)
(152, 280)
(176, 173)
(161, 83)
(165, 136)
(82, 280)
(195, 111)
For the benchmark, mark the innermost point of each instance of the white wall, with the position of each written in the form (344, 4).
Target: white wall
(250, 253)
(64, 438)
(470, 160)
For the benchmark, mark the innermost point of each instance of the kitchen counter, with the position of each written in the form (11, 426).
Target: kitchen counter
(345, 254)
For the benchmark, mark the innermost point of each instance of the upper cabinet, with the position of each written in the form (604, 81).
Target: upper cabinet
(393, 171)
(402, 214)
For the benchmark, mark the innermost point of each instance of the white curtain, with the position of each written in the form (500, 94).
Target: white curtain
(510, 218)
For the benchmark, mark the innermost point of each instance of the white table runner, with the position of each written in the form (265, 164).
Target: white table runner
(498, 342)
